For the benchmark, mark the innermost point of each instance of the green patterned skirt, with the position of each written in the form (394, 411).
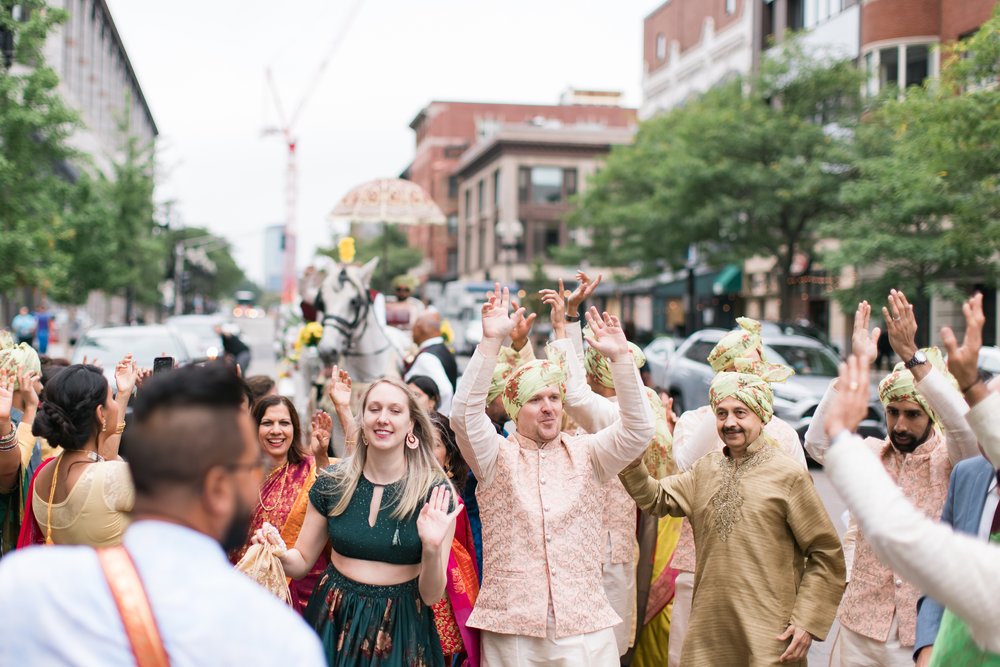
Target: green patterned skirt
(373, 626)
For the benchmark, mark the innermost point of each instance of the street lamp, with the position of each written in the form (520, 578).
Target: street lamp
(510, 233)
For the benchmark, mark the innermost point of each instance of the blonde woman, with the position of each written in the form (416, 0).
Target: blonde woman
(386, 511)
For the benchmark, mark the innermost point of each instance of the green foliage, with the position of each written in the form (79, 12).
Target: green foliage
(224, 280)
(34, 127)
(395, 255)
(925, 212)
(752, 167)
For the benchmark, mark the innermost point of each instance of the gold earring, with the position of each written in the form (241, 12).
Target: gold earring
(104, 425)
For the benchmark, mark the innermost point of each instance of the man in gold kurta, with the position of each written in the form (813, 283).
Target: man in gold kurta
(770, 570)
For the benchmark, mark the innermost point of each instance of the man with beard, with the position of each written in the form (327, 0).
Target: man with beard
(169, 593)
(769, 571)
(928, 435)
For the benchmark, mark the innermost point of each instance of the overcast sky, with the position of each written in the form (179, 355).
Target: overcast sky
(201, 65)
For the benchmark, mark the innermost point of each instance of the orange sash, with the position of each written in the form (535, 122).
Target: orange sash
(133, 606)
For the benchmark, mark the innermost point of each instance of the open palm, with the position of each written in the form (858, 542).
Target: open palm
(434, 521)
(6, 395)
(864, 343)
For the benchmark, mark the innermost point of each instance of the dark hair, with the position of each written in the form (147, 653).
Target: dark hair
(50, 367)
(295, 453)
(456, 465)
(67, 415)
(247, 393)
(259, 385)
(428, 386)
(187, 422)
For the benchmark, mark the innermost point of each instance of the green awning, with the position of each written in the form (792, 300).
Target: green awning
(729, 281)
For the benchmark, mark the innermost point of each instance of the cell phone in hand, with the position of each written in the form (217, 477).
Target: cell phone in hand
(162, 364)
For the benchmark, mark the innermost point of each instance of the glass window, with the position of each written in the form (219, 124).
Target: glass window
(523, 184)
(452, 187)
(730, 6)
(468, 204)
(452, 225)
(546, 185)
(481, 195)
(661, 46)
(569, 181)
(917, 64)
(547, 237)
(496, 189)
(700, 350)
(888, 67)
(804, 360)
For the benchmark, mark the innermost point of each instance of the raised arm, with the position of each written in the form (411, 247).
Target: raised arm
(298, 560)
(625, 440)
(10, 452)
(339, 390)
(477, 439)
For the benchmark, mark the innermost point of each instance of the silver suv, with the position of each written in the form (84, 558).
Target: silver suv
(689, 376)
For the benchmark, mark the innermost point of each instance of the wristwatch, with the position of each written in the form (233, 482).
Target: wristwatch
(572, 318)
(919, 358)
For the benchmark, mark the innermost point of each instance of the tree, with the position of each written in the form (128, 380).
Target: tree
(395, 255)
(925, 212)
(215, 279)
(35, 125)
(753, 167)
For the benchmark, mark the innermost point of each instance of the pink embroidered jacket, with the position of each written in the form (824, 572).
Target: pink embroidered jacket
(541, 509)
(875, 593)
(696, 435)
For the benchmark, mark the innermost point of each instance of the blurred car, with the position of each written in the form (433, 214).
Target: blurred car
(804, 328)
(989, 361)
(689, 377)
(658, 354)
(108, 345)
(198, 332)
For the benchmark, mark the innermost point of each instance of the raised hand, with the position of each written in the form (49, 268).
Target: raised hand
(6, 398)
(901, 325)
(853, 388)
(864, 343)
(668, 408)
(434, 520)
(322, 426)
(339, 388)
(557, 308)
(585, 287)
(142, 375)
(522, 328)
(607, 336)
(126, 375)
(497, 321)
(963, 362)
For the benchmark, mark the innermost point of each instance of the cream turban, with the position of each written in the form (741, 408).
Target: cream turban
(736, 344)
(530, 379)
(900, 385)
(599, 366)
(751, 390)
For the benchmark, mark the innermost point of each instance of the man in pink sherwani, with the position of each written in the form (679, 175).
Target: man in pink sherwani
(542, 601)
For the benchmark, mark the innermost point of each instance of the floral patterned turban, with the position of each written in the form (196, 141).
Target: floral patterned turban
(752, 391)
(900, 384)
(507, 361)
(18, 358)
(763, 369)
(659, 456)
(736, 344)
(599, 366)
(530, 379)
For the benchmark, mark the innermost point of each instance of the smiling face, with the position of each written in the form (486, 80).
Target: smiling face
(909, 426)
(386, 418)
(540, 418)
(276, 432)
(737, 424)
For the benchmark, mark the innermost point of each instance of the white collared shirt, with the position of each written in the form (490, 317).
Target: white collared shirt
(989, 509)
(56, 608)
(431, 366)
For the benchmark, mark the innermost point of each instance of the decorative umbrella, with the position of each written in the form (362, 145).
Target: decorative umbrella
(387, 201)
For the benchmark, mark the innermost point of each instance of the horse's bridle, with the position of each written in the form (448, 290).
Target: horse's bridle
(360, 305)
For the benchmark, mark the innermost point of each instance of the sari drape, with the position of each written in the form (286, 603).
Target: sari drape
(451, 613)
(284, 498)
(31, 531)
(651, 649)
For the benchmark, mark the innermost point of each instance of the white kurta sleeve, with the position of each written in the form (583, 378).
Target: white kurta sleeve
(590, 411)
(695, 435)
(982, 418)
(959, 571)
(947, 402)
(625, 440)
(477, 439)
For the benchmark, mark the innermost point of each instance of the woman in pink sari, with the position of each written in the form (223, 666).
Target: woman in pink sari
(284, 495)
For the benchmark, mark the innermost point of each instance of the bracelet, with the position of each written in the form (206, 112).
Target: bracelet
(6, 447)
(120, 429)
(972, 386)
(10, 437)
(572, 318)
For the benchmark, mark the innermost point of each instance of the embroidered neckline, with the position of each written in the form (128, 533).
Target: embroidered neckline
(728, 500)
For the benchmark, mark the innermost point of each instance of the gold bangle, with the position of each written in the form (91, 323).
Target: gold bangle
(120, 429)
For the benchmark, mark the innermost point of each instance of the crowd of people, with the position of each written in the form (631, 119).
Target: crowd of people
(530, 511)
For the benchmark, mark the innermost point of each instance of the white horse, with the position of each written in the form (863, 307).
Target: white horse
(354, 329)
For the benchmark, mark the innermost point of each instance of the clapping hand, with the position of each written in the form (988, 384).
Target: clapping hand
(963, 362)
(339, 388)
(583, 291)
(434, 520)
(607, 336)
(901, 325)
(853, 387)
(864, 343)
(497, 320)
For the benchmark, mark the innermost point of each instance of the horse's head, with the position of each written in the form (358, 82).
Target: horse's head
(346, 304)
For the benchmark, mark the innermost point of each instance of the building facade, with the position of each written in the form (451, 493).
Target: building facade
(445, 131)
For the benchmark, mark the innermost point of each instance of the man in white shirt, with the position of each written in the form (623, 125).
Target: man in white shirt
(434, 359)
(197, 469)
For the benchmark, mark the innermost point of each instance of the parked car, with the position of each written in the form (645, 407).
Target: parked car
(769, 329)
(198, 332)
(658, 354)
(689, 377)
(108, 345)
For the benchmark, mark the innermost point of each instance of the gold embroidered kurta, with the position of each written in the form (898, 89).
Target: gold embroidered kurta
(767, 553)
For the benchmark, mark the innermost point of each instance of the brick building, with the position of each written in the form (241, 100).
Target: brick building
(444, 131)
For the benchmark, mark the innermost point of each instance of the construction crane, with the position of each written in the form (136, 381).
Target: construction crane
(287, 131)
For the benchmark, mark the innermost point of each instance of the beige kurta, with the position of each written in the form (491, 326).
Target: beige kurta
(767, 553)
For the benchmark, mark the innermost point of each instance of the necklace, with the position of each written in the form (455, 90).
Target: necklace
(281, 492)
